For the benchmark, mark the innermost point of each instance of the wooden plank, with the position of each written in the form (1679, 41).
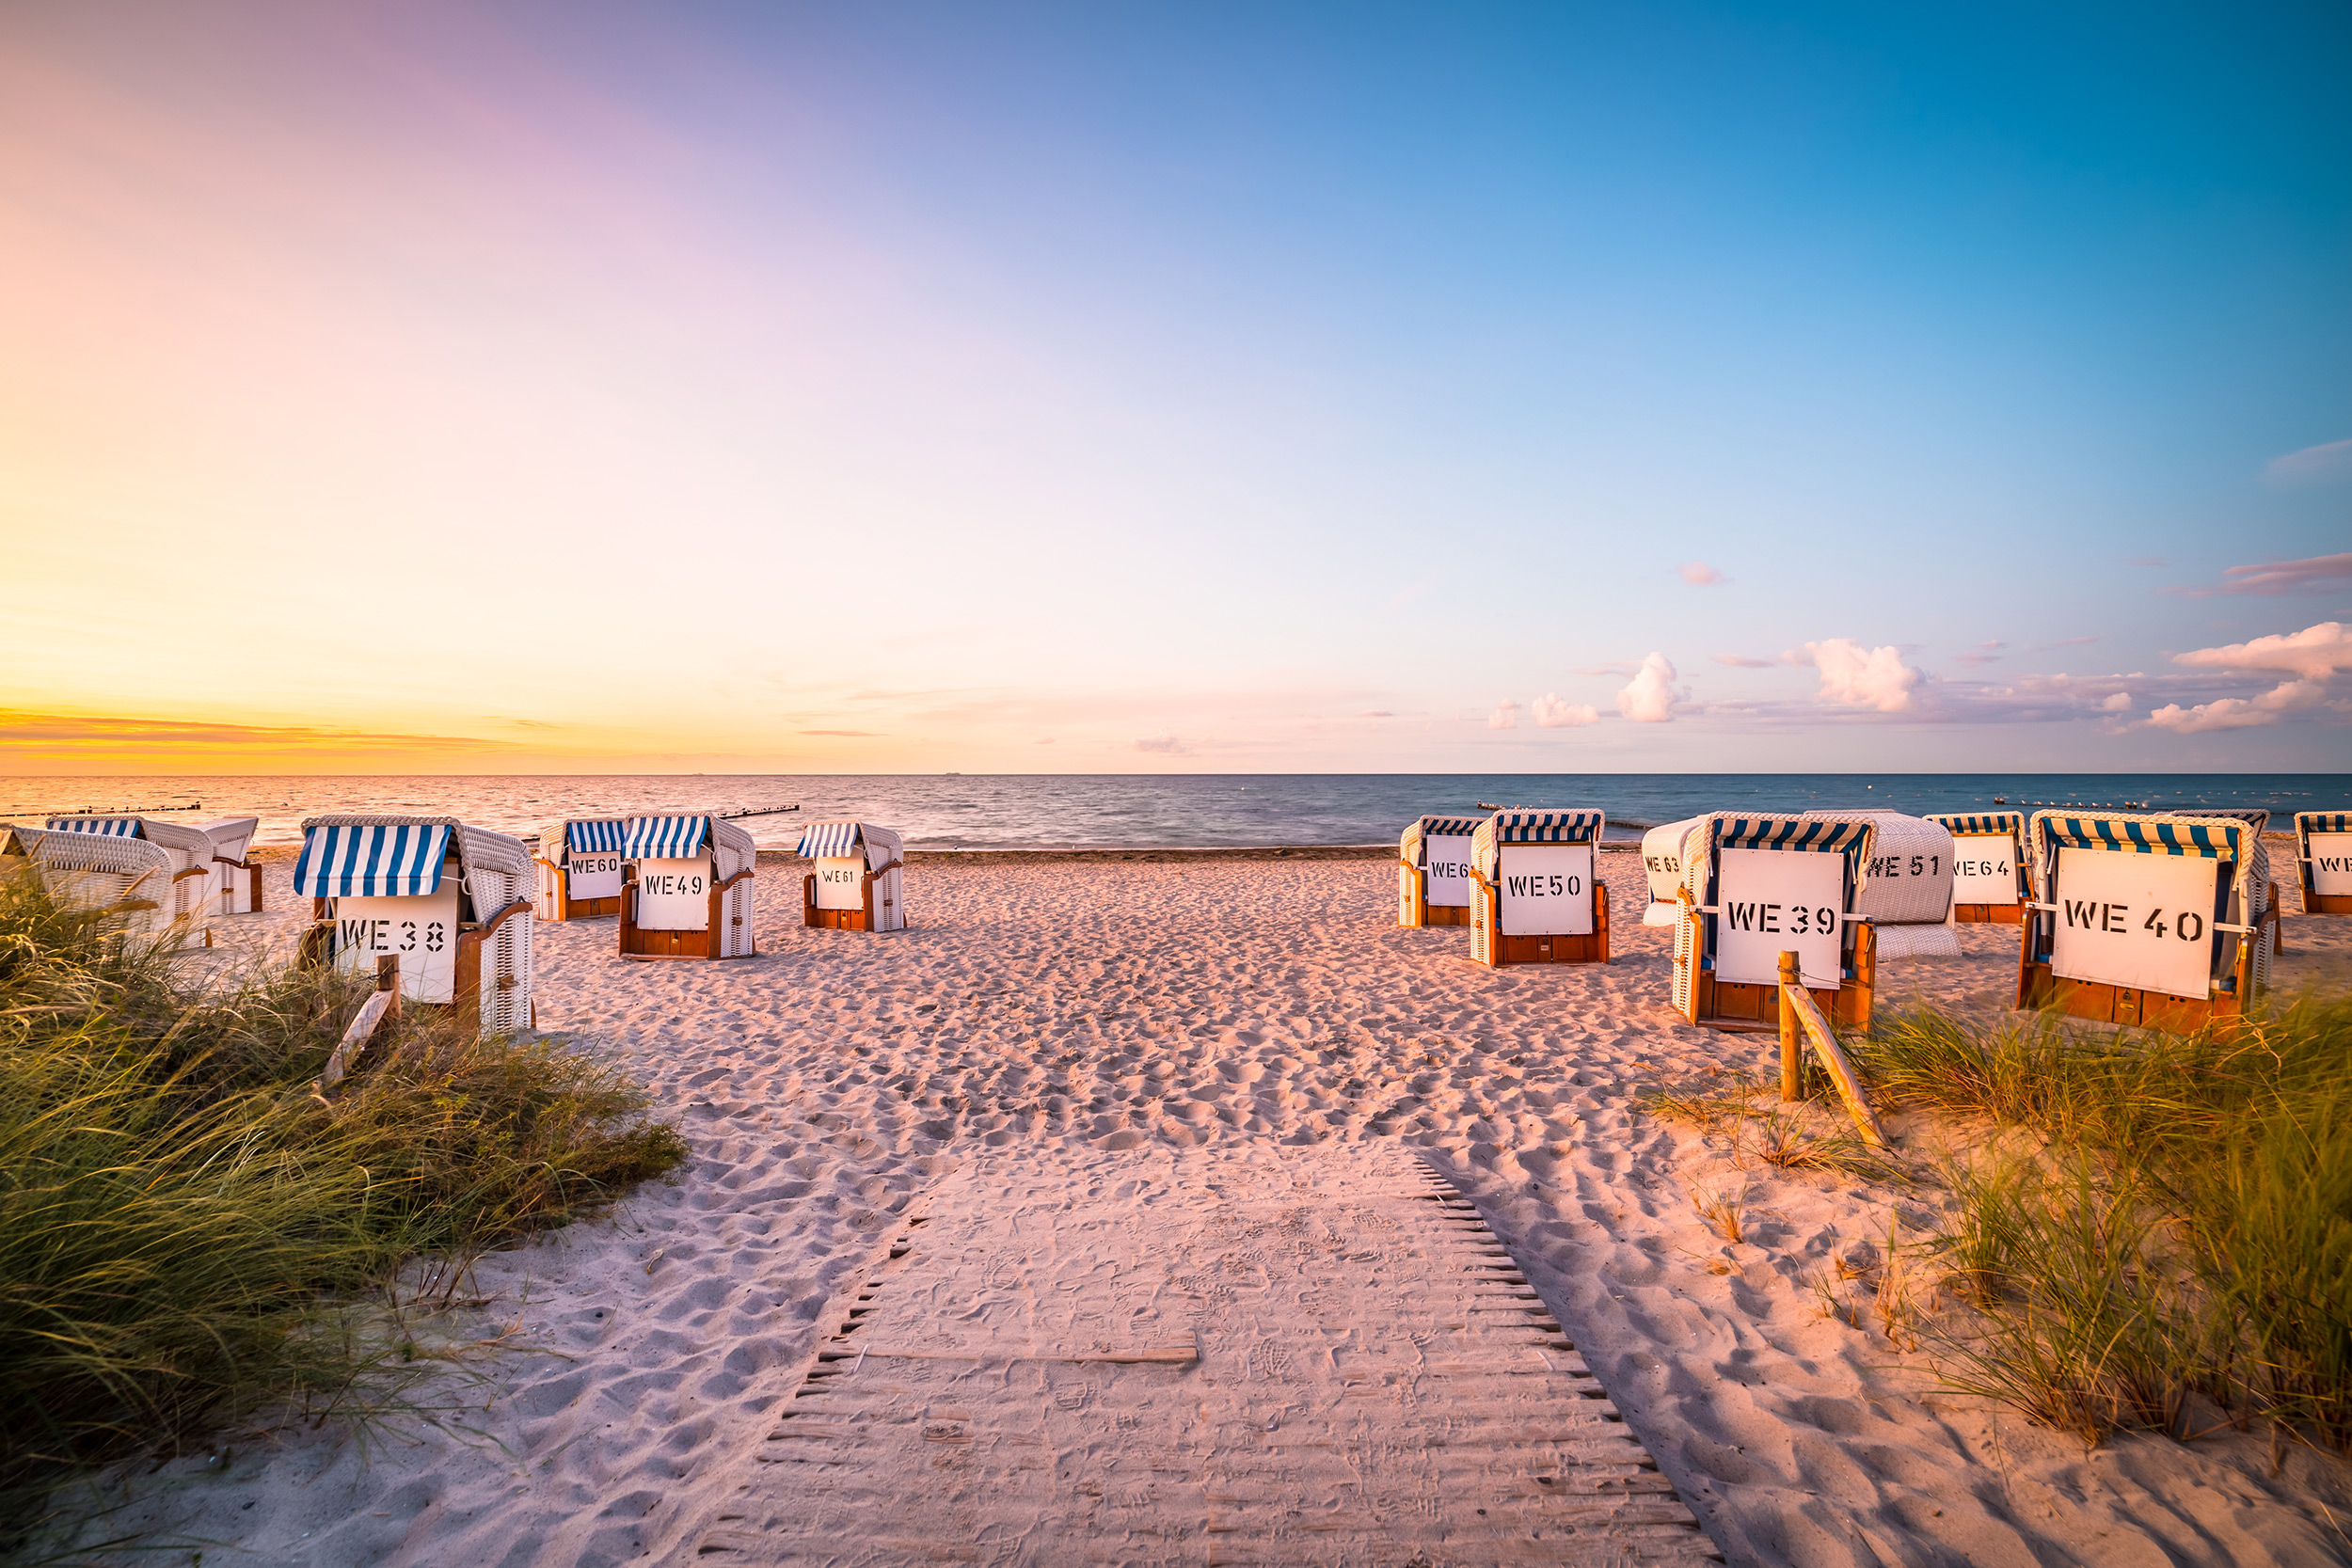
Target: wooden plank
(1840, 1071)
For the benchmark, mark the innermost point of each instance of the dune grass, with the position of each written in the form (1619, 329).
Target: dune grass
(181, 1212)
(2175, 1220)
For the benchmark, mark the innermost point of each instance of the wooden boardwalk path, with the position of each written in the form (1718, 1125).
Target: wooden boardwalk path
(1270, 1356)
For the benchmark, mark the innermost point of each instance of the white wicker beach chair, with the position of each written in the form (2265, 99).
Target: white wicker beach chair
(2323, 860)
(1994, 882)
(857, 885)
(1907, 888)
(1433, 866)
(579, 868)
(1662, 864)
(2159, 919)
(687, 889)
(128, 877)
(193, 880)
(1740, 911)
(450, 901)
(1536, 895)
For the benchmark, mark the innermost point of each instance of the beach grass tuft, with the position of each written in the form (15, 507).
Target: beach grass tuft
(182, 1212)
(2172, 1216)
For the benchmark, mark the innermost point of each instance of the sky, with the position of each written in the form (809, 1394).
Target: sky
(874, 387)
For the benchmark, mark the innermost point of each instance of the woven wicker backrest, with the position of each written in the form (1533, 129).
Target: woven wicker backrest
(1893, 895)
(732, 848)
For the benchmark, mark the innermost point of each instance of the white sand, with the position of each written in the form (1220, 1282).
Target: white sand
(1049, 1008)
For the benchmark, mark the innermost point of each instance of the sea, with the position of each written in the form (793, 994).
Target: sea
(976, 811)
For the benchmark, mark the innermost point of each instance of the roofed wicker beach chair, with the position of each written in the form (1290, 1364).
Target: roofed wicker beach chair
(2159, 920)
(1753, 887)
(1662, 866)
(579, 868)
(191, 893)
(1992, 877)
(448, 902)
(2323, 858)
(1536, 895)
(686, 889)
(1433, 881)
(1907, 888)
(115, 873)
(857, 885)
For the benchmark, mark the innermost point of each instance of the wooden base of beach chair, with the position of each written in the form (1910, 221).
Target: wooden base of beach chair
(842, 920)
(590, 909)
(1741, 1010)
(1989, 914)
(1446, 914)
(637, 942)
(1738, 1008)
(2038, 988)
(1590, 948)
(2124, 1004)
(2327, 903)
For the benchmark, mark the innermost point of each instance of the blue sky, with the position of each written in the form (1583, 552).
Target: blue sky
(1088, 388)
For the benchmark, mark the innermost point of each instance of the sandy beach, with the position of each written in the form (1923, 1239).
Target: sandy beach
(1057, 1014)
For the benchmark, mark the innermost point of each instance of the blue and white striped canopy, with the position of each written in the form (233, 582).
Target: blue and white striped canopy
(112, 827)
(348, 862)
(1979, 822)
(2323, 822)
(664, 838)
(601, 837)
(1410, 848)
(2154, 839)
(830, 840)
(1787, 833)
(1520, 826)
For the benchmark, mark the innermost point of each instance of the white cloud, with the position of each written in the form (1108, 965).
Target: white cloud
(1167, 745)
(2312, 465)
(1698, 573)
(1553, 714)
(2238, 713)
(2120, 702)
(1742, 661)
(2316, 653)
(1506, 717)
(1651, 697)
(1853, 676)
(2228, 713)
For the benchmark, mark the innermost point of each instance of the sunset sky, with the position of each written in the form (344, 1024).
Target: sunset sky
(1125, 388)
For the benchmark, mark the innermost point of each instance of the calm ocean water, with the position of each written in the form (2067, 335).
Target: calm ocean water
(1015, 810)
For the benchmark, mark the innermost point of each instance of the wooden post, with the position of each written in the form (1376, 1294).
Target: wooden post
(1791, 1032)
(388, 978)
